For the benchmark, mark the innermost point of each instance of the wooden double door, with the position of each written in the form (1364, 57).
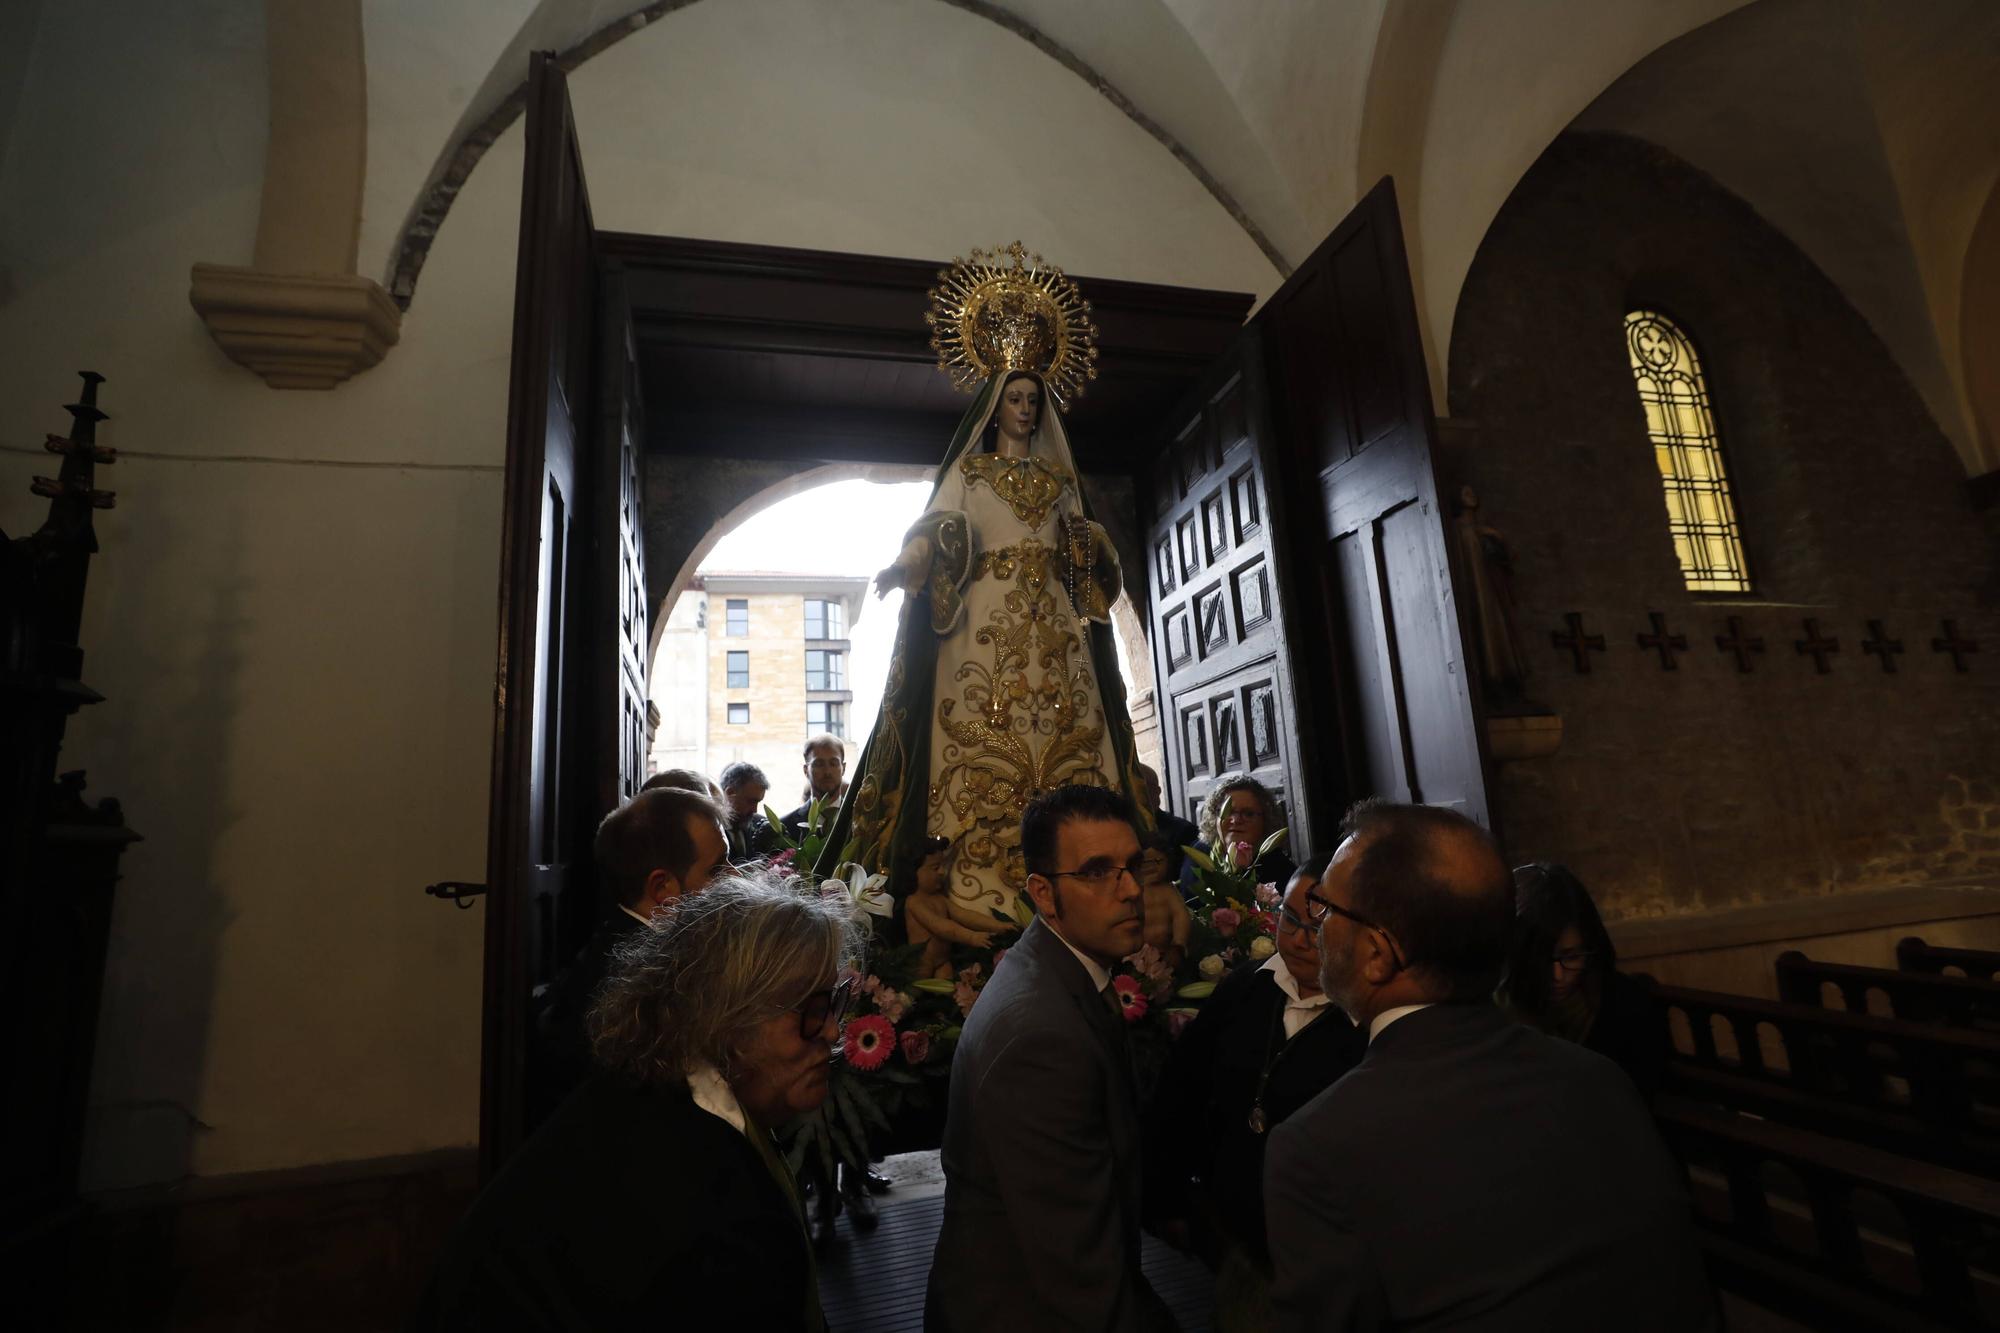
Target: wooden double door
(1305, 622)
(1304, 626)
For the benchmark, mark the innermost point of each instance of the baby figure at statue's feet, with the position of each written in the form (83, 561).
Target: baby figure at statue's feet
(929, 920)
(1167, 918)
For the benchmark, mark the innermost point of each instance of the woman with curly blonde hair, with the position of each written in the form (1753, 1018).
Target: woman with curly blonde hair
(655, 1194)
(1240, 809)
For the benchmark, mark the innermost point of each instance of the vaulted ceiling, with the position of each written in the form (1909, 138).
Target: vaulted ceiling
(1864, 129)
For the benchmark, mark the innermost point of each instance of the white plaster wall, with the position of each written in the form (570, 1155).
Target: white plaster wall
(427, 59)
(297, 650)
(899, 127)
(293, 616)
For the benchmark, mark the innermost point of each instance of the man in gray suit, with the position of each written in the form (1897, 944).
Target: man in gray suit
(1470, 1173)
(1041, 1140)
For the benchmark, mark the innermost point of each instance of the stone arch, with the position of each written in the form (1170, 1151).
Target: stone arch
(712, 496)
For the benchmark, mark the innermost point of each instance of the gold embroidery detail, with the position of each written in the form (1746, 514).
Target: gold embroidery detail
(1019, 727)
(1029, 486)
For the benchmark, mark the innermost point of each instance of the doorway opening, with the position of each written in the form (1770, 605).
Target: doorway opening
(773, 632)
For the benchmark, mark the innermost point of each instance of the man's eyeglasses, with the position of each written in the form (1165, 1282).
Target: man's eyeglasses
(823, 1005)
(1290, 920)
(1103, 874)
(1318, 908)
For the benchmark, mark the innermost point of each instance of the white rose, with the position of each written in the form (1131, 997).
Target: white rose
(1212, 967)
(1263, 947)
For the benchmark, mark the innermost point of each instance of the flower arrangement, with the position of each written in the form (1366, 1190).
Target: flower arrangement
(1233, 874)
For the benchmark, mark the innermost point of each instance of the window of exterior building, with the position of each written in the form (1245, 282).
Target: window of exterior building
(739, 670)
(1701, 511)
(823, 670)
(825, 619)
(737, 618)
(830, 718)
(739, 715)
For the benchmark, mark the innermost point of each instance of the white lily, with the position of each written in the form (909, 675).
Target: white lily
(867, 895)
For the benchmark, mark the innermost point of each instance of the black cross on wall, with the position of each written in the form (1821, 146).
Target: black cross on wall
(1816, 647)
(1666, 644)
(1739, 643)
(1879, 644)
(1578, 644)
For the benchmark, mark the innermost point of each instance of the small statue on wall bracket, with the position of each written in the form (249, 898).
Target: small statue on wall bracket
(1489, 568)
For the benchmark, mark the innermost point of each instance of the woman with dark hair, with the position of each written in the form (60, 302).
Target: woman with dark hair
(1562, 977)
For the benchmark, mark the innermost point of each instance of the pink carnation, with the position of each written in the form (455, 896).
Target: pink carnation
(868, 1041)
(891, 1004)
(916, 1046)
(966, 994)
(1226, 920)
(1268, 896)
(1131, 997)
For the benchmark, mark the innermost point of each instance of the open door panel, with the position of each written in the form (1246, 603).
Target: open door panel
(1351, 412)
(538, 863)
(1306, 626)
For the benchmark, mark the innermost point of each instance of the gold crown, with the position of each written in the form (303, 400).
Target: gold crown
(987, 317)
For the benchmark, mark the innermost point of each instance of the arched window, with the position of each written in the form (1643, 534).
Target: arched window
(1701, 512)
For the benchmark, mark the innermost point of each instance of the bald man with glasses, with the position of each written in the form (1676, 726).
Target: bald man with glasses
(1471, 1173)
(1042, 1139)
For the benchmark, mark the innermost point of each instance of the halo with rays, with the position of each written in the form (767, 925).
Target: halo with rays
(988, 315)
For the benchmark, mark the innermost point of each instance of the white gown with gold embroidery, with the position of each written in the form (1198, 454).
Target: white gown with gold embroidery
(1017, 708)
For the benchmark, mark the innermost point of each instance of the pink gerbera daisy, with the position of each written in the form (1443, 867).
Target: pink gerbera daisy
(867, 1041)
(1131, 997)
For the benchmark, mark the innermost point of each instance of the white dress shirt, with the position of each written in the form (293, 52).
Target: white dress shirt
(1299, 1010)
(1100, 976)
(642, 920)
(712, 1095)
(1380, 1023)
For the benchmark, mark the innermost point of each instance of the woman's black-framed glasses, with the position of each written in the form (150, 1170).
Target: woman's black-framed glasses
(1317, 909)
(822, 1005)
(1574, 960)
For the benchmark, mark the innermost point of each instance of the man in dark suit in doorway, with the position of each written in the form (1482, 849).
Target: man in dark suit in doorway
(1041, 1141)
(652, 849)
(1471, 1173)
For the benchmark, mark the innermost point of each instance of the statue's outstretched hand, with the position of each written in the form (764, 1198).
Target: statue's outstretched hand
(888, 581)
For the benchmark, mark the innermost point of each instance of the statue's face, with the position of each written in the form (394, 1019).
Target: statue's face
(1020, 410)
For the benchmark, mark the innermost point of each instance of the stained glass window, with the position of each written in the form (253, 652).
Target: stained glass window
(1701, 512)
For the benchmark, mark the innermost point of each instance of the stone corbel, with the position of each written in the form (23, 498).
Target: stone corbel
(299, 315)
(297, 330)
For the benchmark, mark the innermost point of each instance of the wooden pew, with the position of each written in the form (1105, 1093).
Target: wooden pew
(1865, 1239)
(1923, 1090)
(1914, 997)
(1913, 955)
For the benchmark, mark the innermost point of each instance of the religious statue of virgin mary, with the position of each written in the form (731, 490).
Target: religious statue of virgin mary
(1004, 682)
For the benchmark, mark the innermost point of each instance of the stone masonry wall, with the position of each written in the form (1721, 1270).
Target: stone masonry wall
(1700, 787)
